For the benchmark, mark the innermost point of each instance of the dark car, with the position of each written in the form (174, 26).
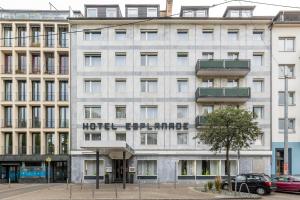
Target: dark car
(257, 183)
(287, 184)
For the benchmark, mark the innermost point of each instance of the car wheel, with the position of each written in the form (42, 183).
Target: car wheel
(260, 191)
(225, 187)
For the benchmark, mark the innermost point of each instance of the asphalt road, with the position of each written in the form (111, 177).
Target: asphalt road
(282, 196)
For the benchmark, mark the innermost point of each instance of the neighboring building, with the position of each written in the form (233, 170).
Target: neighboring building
(285, 57)
(34, 95)
(137, 94)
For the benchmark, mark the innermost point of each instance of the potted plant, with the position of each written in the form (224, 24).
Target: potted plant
(131, 177)
(106, 178)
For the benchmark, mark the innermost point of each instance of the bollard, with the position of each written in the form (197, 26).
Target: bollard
(70, 195)
(67, 183)
(81, 184)
(158, 183)
(93, 194)
(116, 191)
(9, 182)
(139, 190)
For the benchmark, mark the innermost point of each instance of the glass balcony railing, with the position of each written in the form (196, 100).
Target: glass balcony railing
(221, 93)
(200, 120)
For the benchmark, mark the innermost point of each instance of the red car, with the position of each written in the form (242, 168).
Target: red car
(287, 183)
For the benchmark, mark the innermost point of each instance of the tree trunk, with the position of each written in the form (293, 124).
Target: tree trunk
(228, 170)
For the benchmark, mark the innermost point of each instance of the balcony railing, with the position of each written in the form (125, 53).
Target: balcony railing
(7, 96)
(22, 123)
(21, 96)
(64, 124)
(50, 149)
(21, 70)
(63, 71)
(200, 120)
(63, 96)
(235, 94)
(35, 97)
(49, 70)
(49, 96)
(36, 149)
(7, 123)
(6, 69)
(50, 124)
(63, 149)
(22, 150)
(35, 70)
(7, 149)
(222, 67)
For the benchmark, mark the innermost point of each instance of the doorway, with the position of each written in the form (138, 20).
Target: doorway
(10, 173)
(118, 171)
(279, 153)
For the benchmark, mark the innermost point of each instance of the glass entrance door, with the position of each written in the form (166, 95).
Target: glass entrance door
(10, 173)
(118, 171)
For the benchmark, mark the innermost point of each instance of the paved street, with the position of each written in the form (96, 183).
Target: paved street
(282, 196)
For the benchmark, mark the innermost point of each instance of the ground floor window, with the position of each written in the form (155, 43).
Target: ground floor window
(207, 167)
(233, 167)
(90, 168)
(147, 168)
(186, 167)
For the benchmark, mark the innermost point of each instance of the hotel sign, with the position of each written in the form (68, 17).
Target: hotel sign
(136, 126)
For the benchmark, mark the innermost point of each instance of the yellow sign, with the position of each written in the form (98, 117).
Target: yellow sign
(48, 159)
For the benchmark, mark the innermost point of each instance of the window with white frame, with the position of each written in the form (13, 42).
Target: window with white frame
(233, 167)
(92, 35)
(149, 138)
(258, 85)
(182, 112)
(288, 70)
(258, 112)
(91, 12)
(186, 167)
(121, 136)
(92, 112)
(233, 55)
(291, 98)
(151, 12)
(233, 34)
(120, 34)
(234, 13)
(182, 138)
(149, 85)
(208, 34)
(182, 34)
(207, 83)
(201, 13)
(121, 112)
(90, 168)
(149, 34)
(120, 58)
(208, 55)
(132, 12)
(92, 60)
(207, 167)
(111, 12)
(182, 85)
(291, 125)
(258, 35)
(259, 140)
(149, 112)
(92, 86)
(182, 58)
(120, 85)
(206, 109)
(287, 44)
(92, 136)
(149, 59)
(188, 13)
(232, 83)
(246, 13)
(147, 168)
(258, 59)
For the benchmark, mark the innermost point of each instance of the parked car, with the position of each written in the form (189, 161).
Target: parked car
(287, 183)
(257, 183)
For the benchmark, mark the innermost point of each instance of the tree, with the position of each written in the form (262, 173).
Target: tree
(229, 129)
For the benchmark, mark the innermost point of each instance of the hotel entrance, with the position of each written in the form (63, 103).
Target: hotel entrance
(118, 171)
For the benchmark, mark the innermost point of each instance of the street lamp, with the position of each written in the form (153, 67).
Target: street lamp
(286, 123)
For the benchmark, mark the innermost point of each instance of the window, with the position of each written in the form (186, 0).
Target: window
(182, 85)
(120, 85)
(186, 167)
(120, 34)
(147, 168)
(201, 13)
(258, 59)
(92, 60)
(258, 35)
(149, 86)
(233, 35)
(207, 83)
(286, 44)
(149, 112)
(149, 59)
(182, 112)
(291, 125)
(148, 138)
(235, 13)
(92, 136)
(182, 58)
(91, 112)
(188, 13)
(258, 112)
(90, 168)
(246, 13)
(182, 34)
(120, 112)
(120, 58)
(208, 55)
(92, 86)
(132, 12)
(258, 85)
(207, 109)
(208, 34)
(111, 12)
(182, 138)
(233, 55)
(91, 12)
(291, 98)
(92, 35)
(149, 34)
(288, 70)
(120, 136)
(232, 83)
(151, 12)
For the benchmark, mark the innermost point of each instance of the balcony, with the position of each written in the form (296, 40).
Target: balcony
(200, 121)
(21, 70)
(7, 123)
(222, 67)
(22, 150)
(64, 123)
(49, 70)
(236, 94)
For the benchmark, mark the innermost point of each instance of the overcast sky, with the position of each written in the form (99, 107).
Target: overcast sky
(214, 12)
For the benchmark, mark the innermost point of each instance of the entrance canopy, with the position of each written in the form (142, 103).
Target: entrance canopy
(114, 149)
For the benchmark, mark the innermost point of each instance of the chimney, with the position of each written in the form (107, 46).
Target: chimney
(169, 6)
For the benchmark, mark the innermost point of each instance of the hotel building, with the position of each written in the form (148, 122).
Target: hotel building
(34, 96)
(142, 84)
